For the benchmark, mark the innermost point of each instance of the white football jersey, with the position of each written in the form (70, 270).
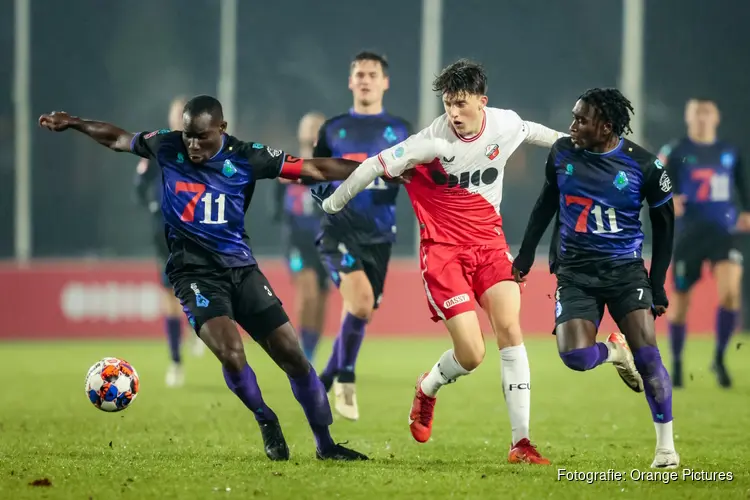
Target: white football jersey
(456, 196)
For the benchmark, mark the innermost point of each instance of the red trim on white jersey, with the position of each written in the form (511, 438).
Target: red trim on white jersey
(385, 168)
(479, 134)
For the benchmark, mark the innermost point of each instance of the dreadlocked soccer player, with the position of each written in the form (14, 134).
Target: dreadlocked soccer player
(596, 182)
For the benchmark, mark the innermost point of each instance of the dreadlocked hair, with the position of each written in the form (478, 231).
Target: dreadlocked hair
(611, 106)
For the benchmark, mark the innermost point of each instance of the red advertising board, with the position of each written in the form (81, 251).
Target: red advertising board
(115, 299)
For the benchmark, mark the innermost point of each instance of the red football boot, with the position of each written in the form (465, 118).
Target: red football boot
(525, 452)
(422, 411)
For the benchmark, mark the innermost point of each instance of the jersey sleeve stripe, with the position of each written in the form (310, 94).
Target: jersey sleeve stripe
(132, 141)
(385, 168)
(662, 202)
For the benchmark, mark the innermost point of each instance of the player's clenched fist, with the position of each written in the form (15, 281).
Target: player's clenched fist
(56, 121)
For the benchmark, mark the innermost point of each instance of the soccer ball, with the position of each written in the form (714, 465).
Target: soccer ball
(112, 384)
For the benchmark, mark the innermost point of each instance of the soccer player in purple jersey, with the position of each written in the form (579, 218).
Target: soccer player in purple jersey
(208, 182)
(596, 183)
(711, 183)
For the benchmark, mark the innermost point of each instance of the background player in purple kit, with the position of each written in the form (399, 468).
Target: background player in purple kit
(208, 181)
(356, 243)
(596, 183)
(710, 183)
(300, 216)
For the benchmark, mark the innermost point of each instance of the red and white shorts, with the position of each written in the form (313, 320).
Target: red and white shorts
(452, 274)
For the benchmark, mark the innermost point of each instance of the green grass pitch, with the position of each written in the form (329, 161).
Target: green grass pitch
(200, 442)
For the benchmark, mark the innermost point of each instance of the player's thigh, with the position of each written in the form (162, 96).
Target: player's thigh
(257, 308)
(578, 312)
(306, 283)
(446, 286)
(204, 295)
(502, 303)
(348, 274)
(222, 337)
(629, 290)
(638, 327)
(468, 342)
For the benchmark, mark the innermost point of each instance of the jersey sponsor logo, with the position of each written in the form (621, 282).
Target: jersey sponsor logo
(727, 159)
(448, 160)
(156, 132)
(228, 169)
(273, 152)
(621, 180)
(665, 183)
(492, 151)
(454, 301)
(465, 179)
(389, 135)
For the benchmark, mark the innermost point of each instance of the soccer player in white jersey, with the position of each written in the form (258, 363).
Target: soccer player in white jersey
(455, 187)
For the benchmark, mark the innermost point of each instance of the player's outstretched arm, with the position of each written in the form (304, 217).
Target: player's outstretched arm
(105, 134)
(539, 135)
(544, 210)
(390, 163)
(326, 169)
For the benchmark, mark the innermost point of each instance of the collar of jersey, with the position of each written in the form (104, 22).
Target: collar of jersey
(360, 115)
(611, 151)
(479, 134)
(221, 149)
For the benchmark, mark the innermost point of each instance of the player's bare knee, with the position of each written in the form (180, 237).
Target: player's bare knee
(730, 300)
(508, 335)
(361, 305)
(469, 356)
(233, 358)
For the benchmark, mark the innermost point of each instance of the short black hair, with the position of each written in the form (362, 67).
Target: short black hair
(461, 76)
(611, 106)
(704, 100)
(371, 56)
(205, 104)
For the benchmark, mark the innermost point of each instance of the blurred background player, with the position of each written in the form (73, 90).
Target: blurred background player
(705, 171)
(148, 188)
(595, 184)
(355, 244)
(301, 224)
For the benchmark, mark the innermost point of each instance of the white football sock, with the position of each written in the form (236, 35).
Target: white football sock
(516, 380)
(445, 371)
(664, 436)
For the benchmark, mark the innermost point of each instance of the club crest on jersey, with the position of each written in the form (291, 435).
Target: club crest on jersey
(621, 180)
(228, 169)
(665, 183)
(727, 159)
(342, 133)
(492, 151)
(389, 135)
(569, 169)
